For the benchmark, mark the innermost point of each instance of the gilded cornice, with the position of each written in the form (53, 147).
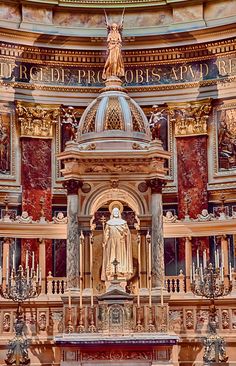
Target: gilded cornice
(90, 58)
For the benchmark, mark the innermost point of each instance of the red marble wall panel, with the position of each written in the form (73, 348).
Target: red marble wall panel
(192, 179)
(192, 174)
(36, 178)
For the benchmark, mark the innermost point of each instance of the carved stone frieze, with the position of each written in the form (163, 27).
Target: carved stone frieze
(117, 355)
(36, 121)
(190, 119)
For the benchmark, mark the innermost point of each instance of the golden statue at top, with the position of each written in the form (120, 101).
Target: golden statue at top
(114, 65)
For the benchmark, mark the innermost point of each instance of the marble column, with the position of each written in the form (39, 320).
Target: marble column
(72, 262)
(158, 269)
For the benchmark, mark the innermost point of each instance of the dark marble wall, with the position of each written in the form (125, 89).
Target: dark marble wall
(36, 179)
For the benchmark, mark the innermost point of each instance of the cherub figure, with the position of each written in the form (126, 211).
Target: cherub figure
(156, 119)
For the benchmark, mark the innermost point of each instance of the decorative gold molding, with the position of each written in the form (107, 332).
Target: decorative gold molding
(36, 121)
(190, 119)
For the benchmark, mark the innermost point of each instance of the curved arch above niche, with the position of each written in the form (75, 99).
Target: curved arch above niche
(126, 194)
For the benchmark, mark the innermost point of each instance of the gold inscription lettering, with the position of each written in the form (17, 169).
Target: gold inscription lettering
(157, 76)
(23, 72)
(139, 76)
(147, 75)
(183, 70)
(55, 75)
(232, 66)
(222, 67)
(174, 73)
(91, 77)
(81, 75)
(204, 70)
(129, 76)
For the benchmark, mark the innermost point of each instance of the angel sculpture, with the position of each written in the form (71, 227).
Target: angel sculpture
(114, 65)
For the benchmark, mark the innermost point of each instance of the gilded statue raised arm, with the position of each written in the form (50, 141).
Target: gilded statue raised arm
(114, 65)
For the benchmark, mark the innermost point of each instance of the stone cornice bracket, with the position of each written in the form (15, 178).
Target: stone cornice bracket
(156, 185)
(36, 121)
(72, 186)
(190, 119)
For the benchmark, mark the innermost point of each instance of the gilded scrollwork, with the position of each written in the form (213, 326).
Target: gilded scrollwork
(190, 119)
(36, 121)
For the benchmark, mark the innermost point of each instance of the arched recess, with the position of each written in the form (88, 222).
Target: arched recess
(101, 195)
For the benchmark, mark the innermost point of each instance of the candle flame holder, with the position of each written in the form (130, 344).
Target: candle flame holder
(209, 281)
(22, 285)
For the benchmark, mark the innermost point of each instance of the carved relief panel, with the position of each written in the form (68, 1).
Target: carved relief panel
(7, 142)
(226, 138)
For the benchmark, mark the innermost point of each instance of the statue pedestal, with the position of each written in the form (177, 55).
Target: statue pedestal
(122, 283)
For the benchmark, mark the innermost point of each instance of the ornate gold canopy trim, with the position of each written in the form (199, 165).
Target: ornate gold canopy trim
(113, 3)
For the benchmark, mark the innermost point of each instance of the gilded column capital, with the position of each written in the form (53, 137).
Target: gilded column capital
(190, 119)
(156, 185)
(36, 120)
(72, 186)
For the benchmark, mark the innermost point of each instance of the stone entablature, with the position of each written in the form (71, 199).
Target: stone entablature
(157, 17)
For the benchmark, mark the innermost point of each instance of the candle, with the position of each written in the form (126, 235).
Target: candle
(191, 274)
(40, 277)
(27, 275)
(204, 259)
(26, 259)
(148, 237)
(222, 273)
(0, 275)
(139, 255)
(230, 272)
(198, 258)
(138, 293)
(201, 273)
(92, 292)
(80, 296)
(13, 260)
(222, 258)
(215, 259)
(37, 273)
(162, 300)
(150, 293)
(69, 299)
(33, 261)
(7, 271)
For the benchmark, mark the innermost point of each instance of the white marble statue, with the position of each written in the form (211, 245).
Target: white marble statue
(205, 216)
(169, 217)
(117, 245)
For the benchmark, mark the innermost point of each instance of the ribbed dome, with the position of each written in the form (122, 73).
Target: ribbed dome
(113, 117)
